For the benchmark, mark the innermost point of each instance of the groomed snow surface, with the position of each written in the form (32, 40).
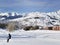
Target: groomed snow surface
(35, 37)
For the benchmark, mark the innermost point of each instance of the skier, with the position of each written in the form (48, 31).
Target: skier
(9, 37)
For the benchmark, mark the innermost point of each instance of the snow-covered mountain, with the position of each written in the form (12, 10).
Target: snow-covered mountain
(33, 18)
(42, 19)
(8, 15)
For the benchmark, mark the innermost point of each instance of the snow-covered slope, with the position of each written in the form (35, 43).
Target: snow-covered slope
(37, 37)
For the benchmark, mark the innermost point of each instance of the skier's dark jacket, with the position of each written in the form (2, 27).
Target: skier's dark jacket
(9, 36)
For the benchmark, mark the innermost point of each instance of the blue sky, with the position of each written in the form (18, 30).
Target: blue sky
(29, 5)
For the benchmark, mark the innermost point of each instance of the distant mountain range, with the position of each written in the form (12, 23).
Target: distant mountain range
(33, 18)
(6, 16)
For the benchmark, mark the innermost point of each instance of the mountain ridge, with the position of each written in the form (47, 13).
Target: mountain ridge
(36, 18)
